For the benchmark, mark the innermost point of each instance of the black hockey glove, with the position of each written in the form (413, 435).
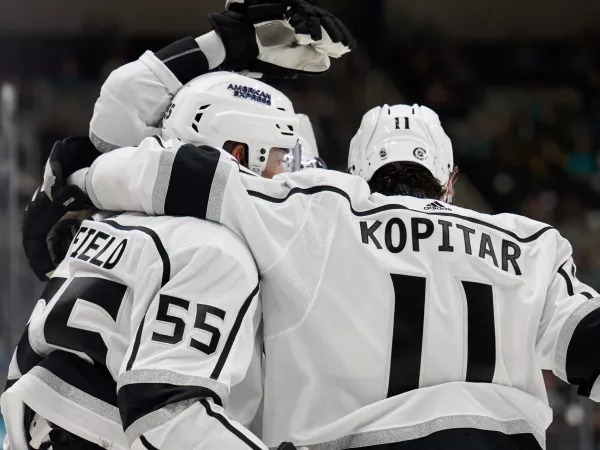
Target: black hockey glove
(51, 202)
(280, 37)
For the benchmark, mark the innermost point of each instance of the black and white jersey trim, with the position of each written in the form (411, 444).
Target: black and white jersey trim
(563, 273)
(147, 444)
(228, 425)
(317, 189)
(233, 334)
(166, 276)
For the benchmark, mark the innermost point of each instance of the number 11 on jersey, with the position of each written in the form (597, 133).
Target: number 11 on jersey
(407, 340)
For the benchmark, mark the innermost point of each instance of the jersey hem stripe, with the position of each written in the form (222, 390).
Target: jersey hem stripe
(318, 189)
(228, 425)
(76, 395)
(233, 334)
(420, 430)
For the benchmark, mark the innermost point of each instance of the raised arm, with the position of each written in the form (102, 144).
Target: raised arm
(274, 37)
(135, 97)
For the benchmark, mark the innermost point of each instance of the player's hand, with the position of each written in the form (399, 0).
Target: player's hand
(43, 246)
(280, 37)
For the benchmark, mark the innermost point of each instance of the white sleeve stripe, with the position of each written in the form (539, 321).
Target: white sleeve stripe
(140, 376)
(566, 333)
(89, 186)
(161, 185)
(217, 190)
(100, 144)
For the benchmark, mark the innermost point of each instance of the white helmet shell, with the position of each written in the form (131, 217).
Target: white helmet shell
(401, 133)
(223, 106)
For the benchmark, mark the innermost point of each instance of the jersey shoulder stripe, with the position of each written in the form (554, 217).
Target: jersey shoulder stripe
(164, 256)
(318, 189)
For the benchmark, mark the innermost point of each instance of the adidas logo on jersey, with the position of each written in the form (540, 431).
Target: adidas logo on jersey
(436, 206)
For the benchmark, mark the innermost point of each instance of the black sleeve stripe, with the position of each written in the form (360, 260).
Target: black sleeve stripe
(185, 59)
(166, 276)
(227, 425)
(563, 273)
(147, 444)
(164, 256)
(136, 343)
(233, 334)
(191, 180)
(140, 399)
(316, 189)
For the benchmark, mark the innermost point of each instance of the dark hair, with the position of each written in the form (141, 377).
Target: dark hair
(228, 146)
(401, 178)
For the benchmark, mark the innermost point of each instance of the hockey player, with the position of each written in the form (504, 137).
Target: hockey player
(394, 321)
(274, 37)
(165, 307)
(77, 403)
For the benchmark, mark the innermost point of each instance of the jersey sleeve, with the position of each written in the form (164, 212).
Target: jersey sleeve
(203, 182)
(135, 97)
(570, 326)
(195, 341)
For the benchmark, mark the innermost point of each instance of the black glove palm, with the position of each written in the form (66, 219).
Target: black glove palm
(52, 201)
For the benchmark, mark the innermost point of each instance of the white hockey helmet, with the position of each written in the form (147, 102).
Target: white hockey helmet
(223, 106)
(402, 133)
(307, 144)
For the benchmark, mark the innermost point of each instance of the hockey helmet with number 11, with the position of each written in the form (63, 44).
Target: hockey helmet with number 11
(222, 106)
(402, 133)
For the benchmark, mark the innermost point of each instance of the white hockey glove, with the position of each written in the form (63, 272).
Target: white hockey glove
(280, 37)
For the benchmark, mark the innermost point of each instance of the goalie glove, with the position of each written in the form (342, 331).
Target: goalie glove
(280, 37)
(43, 241)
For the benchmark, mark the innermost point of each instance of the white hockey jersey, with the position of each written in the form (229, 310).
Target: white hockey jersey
(163, 309)
(386, 318)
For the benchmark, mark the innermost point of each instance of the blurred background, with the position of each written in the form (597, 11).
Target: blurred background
(515, 82)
